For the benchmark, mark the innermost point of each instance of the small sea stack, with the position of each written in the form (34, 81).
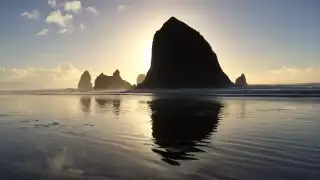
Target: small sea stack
(241, 81)
(111, 82)
(85, 81)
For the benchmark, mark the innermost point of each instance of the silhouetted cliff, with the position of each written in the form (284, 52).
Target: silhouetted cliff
(182, 58)
(85, 81)
(241, 81)
(141, 78)
(111, 82)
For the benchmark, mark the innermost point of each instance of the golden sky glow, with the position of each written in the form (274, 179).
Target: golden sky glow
(270, 41)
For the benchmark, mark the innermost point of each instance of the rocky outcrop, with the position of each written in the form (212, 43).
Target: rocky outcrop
(241, 81)
(182, 58)
(111, 82)
(141, 78)
(85, 81)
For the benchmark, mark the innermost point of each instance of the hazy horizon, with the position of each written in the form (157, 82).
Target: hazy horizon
(48, 44)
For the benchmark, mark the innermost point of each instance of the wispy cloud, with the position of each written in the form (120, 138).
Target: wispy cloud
(31, 15)
(92, 10)
(65, 75)
(43, 32)
(286, 75)
(56, 17)
(291, 70)
(122, 7)
(296, 75)
(67, 30)
(72, 6)
(63, 31)
(52, 3)
(82, 26)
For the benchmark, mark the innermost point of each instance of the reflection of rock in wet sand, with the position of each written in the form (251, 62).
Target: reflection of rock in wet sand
(103, 102)
(243, 109)
(180, 126)
(85, 104)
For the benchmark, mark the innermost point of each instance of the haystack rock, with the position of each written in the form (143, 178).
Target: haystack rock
(182, 58)
(111, 82)
(85, 81)
(141, 78)
(241, 81)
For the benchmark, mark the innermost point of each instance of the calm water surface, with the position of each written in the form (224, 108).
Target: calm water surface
(158, 137)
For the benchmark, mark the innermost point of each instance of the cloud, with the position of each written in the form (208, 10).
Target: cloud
(72, 6)
(92, 10)
(82, 26)
(63, 76)
(122, 7)
(59, 19)
(31, 15)
(52, 3)
(43, 32)
(63, 15)
(286, 75)
(296, 75)
(63, 31)
(292, 70)
(66, 30)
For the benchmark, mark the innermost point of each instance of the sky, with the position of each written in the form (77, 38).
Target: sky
(49, 43)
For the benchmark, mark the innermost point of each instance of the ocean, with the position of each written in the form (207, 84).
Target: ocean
(260, 132)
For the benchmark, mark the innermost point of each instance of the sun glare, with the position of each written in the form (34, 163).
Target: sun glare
(147, 56)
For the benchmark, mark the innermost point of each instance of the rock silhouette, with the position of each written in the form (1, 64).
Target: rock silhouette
(116, 73)
(182, 58)
(241, 81)
(111, 82)
(141, 78)
(180, 126)
(85, 81)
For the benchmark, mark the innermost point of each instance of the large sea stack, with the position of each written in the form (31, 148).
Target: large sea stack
(85, 81)
(141, 78)
(111, 82)
(182, 58)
